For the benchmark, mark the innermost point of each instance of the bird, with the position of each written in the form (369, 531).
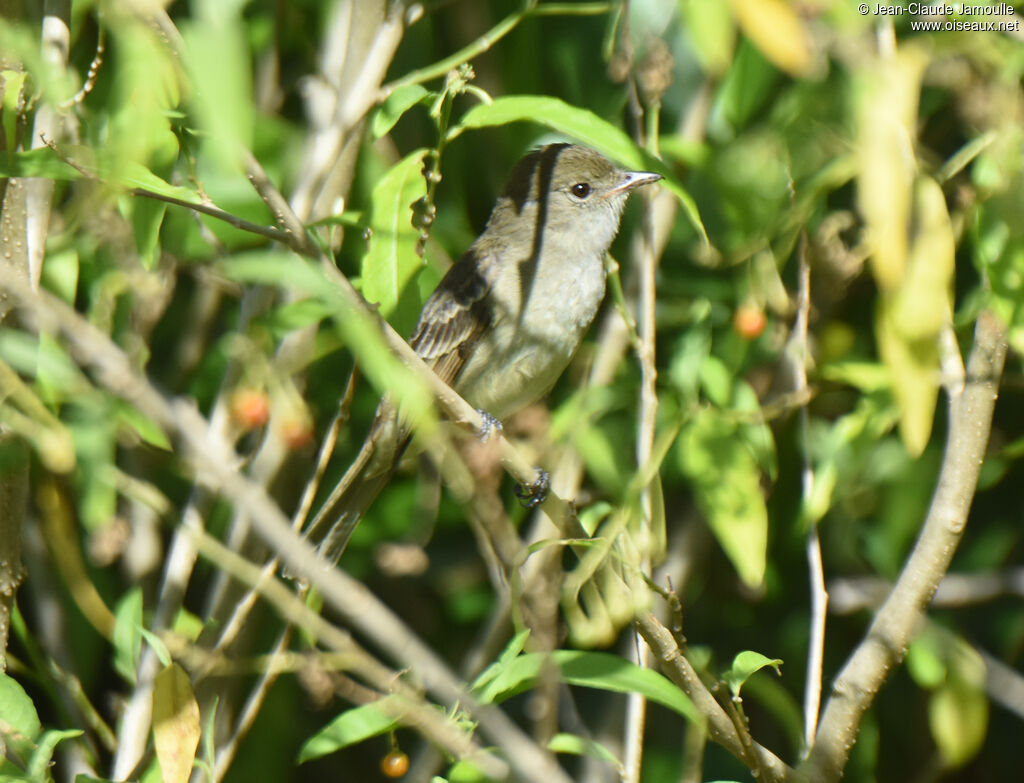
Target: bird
(508, 316)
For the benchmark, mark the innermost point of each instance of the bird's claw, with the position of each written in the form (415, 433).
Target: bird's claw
(490, 425)
(532, 495)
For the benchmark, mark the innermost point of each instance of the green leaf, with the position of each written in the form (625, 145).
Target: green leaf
(127, 637)
(466, 772)
(395, 105)
(60, 273)
(716, 380)
(747, 86)
(958, 718)
(603, 671)
(925, 662)
(391, 261)
(143, 426)
(217, 57)
(515, 646)
(744, 665)
(42, 162)
(351, 727)
(19, 713)
(296, 315)
(154, 641)
(147, 216)
(588, 129)
(581, 746)
(13, 82)
(359, 330)
(727, 484)
(42, 757)
(711, 32)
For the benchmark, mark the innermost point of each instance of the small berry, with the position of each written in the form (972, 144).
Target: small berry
(250, 408)
(296, 430)
(749, 321)
(395, 764)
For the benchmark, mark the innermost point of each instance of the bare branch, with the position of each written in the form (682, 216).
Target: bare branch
(886, 642)
(720, 727)
(215, 460)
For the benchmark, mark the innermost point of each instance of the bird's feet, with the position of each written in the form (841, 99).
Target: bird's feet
(490, 426)
(532, 495)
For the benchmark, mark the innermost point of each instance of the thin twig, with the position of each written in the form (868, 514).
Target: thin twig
(799, 359)
(720, 728)
(215, 460)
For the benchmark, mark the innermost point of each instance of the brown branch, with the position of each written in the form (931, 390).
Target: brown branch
(893, 627)
(215, 460)
(720, 728)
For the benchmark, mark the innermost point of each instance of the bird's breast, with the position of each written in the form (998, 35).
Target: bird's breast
(539, 317)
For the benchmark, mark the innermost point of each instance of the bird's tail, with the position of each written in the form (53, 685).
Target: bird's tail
(371, 470)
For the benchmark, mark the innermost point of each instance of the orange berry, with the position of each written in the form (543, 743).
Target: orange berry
(250, 408)
(395, 764)
(749, 321)
(297, 431)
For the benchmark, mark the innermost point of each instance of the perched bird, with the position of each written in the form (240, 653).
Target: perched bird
(508, 316)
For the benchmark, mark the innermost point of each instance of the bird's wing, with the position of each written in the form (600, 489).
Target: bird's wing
(455, 316)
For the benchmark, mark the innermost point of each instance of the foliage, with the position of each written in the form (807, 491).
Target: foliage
(843, 200)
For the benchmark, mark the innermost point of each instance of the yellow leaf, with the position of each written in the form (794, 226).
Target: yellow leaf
(914, 367)
(776, 29)
(925, 299)
(887, 96)
(175, 724)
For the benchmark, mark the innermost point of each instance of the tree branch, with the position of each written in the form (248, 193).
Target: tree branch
(886, 642)
(720, 727)
(215, 462)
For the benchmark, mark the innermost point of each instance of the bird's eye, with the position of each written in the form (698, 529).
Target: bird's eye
(580, 190)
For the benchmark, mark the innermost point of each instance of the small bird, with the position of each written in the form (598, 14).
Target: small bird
(506, 319)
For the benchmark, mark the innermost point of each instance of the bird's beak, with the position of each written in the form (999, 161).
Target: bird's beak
(634, 179)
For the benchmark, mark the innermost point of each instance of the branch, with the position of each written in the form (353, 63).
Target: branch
(720, 727)
(889, 635)
(214, 459)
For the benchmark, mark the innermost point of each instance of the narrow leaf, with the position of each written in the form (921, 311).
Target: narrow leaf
(175, 723)
(127, 637)
(391, 261)
(603, 671)
(397, 103)
(351, 727)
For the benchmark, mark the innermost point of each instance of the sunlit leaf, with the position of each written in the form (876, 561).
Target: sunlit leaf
(395, 105)
(744, 665)
(143, 426)
(924, 301)
(958, 715)
(175, 723)
(19, 713)
(127, 637)
(925, 662)
(581, 746)
(603, 671)
(887, 97)
(710, 28)
(391, 261)
(217, 58)
(42, 756)
(727, 484)
(349, 728)
(777, 30)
